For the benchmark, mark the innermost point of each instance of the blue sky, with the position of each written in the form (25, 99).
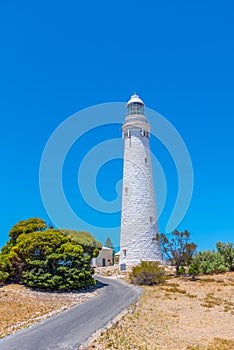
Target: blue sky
(60, 57)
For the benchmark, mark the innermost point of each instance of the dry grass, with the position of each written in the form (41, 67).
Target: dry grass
(185, 315)
(216, 344)
(20, 307)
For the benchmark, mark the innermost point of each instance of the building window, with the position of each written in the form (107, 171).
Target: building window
(126, 134)
(151, 219)
(145, 133)
(124, 253)
(126, 190)
(146, 160)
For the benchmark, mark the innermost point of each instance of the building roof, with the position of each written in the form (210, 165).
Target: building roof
(106, 248)
(118, 253)
(135, 98)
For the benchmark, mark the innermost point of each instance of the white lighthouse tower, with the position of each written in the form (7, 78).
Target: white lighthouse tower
(139, 219)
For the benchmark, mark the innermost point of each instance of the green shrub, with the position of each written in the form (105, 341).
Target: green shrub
(193, 270)
(5, 268)
(3, 276)
(209, 261)
(148, 273)
(181, 270)
(227, 251)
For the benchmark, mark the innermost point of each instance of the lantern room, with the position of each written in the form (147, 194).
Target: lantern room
(135, 106)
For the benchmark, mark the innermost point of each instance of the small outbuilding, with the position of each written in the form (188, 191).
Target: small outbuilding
(116, 258)
(104, 258)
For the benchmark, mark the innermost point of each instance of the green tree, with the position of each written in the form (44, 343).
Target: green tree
(26, 226)
(50, 260)
(15, 266)
(178, 248)
(86, 239)
(109, 244)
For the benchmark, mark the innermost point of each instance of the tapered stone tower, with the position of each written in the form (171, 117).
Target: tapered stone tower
(139, 219)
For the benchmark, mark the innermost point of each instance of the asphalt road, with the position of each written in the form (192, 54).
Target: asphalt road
(69, 329)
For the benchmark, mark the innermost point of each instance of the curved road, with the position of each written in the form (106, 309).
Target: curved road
(69, 329)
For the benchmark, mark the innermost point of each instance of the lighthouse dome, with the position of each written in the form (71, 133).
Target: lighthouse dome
(135, 99)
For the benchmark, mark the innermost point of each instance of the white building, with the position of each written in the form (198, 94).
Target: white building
(104, 258)
(139, 220)
(116, 258)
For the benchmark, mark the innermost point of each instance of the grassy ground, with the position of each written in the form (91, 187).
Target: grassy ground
(179, 315)
(20, 307)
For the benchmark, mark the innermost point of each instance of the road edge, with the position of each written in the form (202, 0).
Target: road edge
(114, 320)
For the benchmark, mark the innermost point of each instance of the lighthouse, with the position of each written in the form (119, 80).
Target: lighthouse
(139, 223)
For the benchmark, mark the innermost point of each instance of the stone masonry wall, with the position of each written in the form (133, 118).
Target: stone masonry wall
(139, 219)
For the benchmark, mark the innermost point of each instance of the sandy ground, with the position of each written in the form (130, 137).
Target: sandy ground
(180, 314)
(21, 307)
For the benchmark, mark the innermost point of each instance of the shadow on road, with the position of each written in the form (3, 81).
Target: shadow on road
(88, 289)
